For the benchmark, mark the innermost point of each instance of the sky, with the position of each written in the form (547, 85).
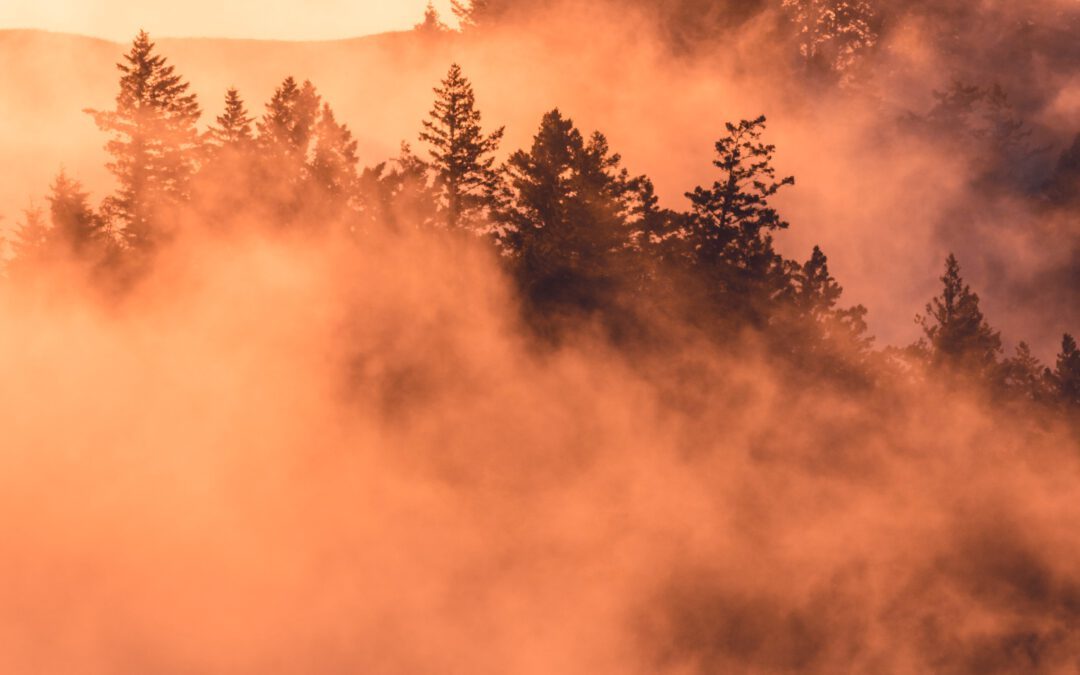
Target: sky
(261, 19)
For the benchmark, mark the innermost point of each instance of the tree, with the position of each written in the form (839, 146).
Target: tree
(30, 245)
(395, 194)
(462, 155)
(816, 295)
(153, 144)
(1066, 376)
(832, 33)
(729, 229)
(981, 123)
(283, 143)
(473, 13)
(1064, 185)
(1023, 376)
(287, 126)
(331, 172)
(568, 221)
(224, 188)
(233, 130)
(959, 336)
(432, 24)
(77, 231)
(813, 330)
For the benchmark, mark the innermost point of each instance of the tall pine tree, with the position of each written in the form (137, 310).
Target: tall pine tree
(462, 155)
(76, 230)
(729, 229)
(285, 134)
(153, 144)
(233, 129)
(569, 221)
(958, 335)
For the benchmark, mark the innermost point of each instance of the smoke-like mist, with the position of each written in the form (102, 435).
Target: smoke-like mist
(311, 458)
(290, 454)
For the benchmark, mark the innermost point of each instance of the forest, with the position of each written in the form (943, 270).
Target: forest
(514, 405)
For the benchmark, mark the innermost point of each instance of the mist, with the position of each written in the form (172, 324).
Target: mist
(351, 439)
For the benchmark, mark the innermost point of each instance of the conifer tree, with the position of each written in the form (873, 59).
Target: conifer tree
(1064, 185)
(462, 155)
(153, 144)
(1066, 376)
(1023, 376)
(396, 194)
(76, 230)
(287, 126)
(224, 188)
(331, 172)
(30, 247)
(432, 24)
(233, 129)
(283, 144)
(729, 228)
(569, 219)
(471, 13)
(832, 33)
(816, 295)
(821, 336)
(957, 332)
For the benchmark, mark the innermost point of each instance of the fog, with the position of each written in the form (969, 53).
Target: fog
(282, 453)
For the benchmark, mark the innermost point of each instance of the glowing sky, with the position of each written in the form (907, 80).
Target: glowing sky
(266, 19)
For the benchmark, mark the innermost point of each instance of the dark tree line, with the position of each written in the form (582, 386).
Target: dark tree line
(581, 236)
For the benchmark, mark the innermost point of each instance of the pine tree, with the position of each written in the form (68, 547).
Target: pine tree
(729, 229)
(331, 173)
(233, 129)
(287, 126)
(832, 33)
(821, 336)
(283, 145)
(1066, 376)
(816, 296)
(957, 332)
(470, 13)
(1023, 376)
(1064, 185)
(569, 219)
(462, 155)
(153, 144)
(396, 195)
(432, 24)
(76, 230)
(30, 246)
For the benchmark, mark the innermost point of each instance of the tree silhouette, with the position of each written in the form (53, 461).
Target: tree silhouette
(76, 230)
(432, 24)
(233, 129)
(332, 173)
(1064, 185)
(816, 295)
(152, 145)
(462, 156)
(1023, 376)
(30, 247)
(729, 229)
(396, 195)
(1066, 376)
(283, 143)
(568, 219)
(958, 334)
